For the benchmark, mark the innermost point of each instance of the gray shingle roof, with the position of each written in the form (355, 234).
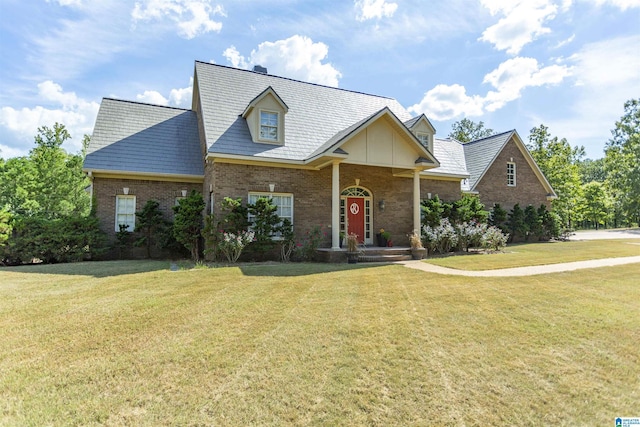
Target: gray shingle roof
(450, 153)
(316, 113)
(135, 137)
(481, 153)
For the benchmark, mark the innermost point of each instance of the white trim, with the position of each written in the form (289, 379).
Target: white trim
(265, 194)
(368, 204)
(511, 176)
(132, 223)
(278, 139)
(150, 176)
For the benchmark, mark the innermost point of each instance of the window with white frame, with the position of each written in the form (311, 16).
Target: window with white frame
(268, 125)
(282, 201)
(126, 212)
(423, 138)
(511, 174)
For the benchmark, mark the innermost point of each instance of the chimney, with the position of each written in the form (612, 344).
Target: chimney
(259, 69)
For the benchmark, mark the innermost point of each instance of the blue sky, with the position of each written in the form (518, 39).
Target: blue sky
(570, 64)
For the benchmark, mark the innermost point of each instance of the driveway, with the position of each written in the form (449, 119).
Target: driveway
(626, 233)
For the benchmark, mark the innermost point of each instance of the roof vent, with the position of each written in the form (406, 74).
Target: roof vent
(259, 69)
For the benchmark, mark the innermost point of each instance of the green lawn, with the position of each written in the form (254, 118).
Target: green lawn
(131, 343)
(530, 254)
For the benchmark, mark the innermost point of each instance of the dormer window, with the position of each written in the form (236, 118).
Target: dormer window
(423, 138)
(265, 116)
(269, 125)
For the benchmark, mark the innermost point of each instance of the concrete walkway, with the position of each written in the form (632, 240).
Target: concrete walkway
(522, 271)
(544, 269)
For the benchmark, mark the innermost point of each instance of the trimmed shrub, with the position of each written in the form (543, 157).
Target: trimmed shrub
(69, 239)
(494, 239)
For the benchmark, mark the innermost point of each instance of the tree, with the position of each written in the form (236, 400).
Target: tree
(48, 182)
(432, 211)
(558, 161)
(5, 230)
(592, 170)
(498, 217)
(149, 222)
(187, 225)
(533, 222)
(622, 161)
(467, 130)
(598, 205)
(265, 224)
(517, 225)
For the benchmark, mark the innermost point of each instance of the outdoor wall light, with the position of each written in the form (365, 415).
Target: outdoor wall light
(125, 190)
(184, 193)
(272, 187)
(381, 205)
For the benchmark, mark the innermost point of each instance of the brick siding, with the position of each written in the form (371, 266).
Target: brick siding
(312, 193)
(493, 186)
(105, 191)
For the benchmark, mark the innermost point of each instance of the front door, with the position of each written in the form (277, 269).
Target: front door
(355, 217)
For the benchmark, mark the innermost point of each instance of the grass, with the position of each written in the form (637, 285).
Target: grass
(131, 343)
(531, 254)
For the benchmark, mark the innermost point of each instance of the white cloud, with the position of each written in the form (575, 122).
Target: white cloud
(514, 75)
(235, 59)
(445, 102)
(67, 2)
(607, 76)
(522, 22)
(152, 97)
(621, 4)
(77, 114)
(7, 152)
(192, 17)
(177, 97)
(374, 9)
(297, 57)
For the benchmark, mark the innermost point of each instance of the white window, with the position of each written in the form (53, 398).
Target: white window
(268, 125)
(283, 202)
(126, 212)
(511, 174)
(423, 138)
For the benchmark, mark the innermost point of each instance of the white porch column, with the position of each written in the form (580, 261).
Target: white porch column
(335, 207)
(416, 202)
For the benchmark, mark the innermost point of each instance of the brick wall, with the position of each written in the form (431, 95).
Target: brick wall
(312, 193)
(493, 187)
(448, 191)
(105, 192)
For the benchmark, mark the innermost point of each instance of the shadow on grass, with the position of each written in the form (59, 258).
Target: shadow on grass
(300, 269)
(97, 269)
(101, 269)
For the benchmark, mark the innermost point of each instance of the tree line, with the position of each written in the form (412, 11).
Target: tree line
(591, 193)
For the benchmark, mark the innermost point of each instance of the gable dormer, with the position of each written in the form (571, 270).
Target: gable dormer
(422, 128)
(265, 117)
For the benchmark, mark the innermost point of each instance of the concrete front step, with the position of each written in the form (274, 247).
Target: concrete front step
(384, 258)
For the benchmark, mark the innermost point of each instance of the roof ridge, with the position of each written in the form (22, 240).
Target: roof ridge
(145, 103)
(489, 137)
(297, 81)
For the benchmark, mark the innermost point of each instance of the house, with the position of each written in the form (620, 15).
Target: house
(345, 160)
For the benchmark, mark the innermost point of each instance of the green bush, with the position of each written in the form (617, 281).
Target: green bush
(69, 239)
(187, 226)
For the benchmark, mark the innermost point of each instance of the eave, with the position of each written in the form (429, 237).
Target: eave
(149, 176)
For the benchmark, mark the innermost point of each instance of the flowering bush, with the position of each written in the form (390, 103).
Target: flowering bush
(493, 238)
(441, 238)
(470, 234)
(307, 249)
(231, 245)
